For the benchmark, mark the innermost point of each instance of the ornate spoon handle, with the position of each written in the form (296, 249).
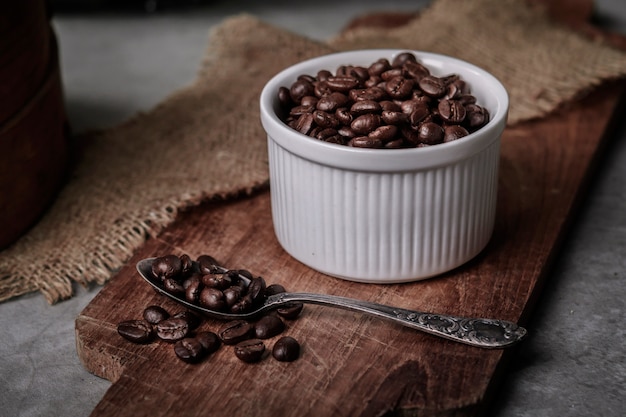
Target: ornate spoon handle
(481, 332)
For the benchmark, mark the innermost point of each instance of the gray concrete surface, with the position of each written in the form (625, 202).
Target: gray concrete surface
(117, 63)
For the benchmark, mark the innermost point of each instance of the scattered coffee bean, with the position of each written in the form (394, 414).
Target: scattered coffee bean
(250, 351)
(286, 349)
(172, 329)
(155, 314)
(384, 105)
(235, 331)
(268, 326)
(210, 341)
(290, 311)
(136, 331)
(189, 350)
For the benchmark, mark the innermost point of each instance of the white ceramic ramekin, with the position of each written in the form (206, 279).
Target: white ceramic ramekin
(384, 215)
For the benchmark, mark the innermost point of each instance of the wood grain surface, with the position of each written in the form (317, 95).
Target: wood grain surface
(350, 364)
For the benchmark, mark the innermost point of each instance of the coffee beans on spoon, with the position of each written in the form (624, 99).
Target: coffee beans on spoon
(207, 285)
(386, 105)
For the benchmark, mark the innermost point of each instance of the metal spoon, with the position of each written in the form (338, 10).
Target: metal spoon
(480, 332)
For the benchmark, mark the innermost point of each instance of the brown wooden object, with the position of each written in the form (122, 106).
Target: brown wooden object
(33, 141)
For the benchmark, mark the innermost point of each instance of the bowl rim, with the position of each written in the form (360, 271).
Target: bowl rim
(377, 160)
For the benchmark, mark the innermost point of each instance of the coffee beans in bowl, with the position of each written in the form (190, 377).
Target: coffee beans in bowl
(383, 163)
(385, 105)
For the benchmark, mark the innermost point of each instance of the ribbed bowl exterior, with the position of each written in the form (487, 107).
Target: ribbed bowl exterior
(383, 227)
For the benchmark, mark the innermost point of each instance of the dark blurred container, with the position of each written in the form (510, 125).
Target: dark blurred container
(34, 144)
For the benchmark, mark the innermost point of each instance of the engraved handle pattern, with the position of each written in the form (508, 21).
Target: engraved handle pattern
(481, 332)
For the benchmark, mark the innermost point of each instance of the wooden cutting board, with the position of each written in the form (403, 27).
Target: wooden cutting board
(353, 365)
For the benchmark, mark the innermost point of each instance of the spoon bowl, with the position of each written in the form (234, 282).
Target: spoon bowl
(480, 332)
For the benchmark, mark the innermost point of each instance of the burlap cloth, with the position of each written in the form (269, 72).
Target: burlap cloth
(207, 142)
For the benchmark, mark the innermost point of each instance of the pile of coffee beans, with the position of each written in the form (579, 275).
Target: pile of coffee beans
(386, 105)
(192, 344)
(206, 284)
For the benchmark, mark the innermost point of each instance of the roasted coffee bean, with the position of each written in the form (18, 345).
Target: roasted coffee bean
(136, 331)
(372, 93)
(391, 73)
(379, 67)
(344, 116)
(244, 305)
(388, 105)
(384, 133)
(337, 139)
(358, 72)
(324, 120)
(399, 87)
(394, 117)
(172, 329)
(452, 111)
(189, 350)
(155, 314)
(210, 341)
(268, 326)
(309, 101)
(192, 292)
(274, 289)
(395, 144)
(402, 58)
(365, 142)
(194, 277)
(323, 75)
(433, 86)
(298, 111)
(419, 115)
(168, 266)
(327, 133)
(219, 281)
(186, 265)
(290, 311)
(477, 116)
(415, 70)
(250, 351)
(342, 83)
(365, 106)
(430, 133)
(305, 123)
(301, 88)
(286, 349)
(207, 264)
(454, 132)
(232, 295)
(235, 331)
(364, 124)
(332, 102)
(192, 319)
(322, 89)
(212, 298)
(455, 90)
(346, 132)
(173, 287)
(284, 97)
(256, 289)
